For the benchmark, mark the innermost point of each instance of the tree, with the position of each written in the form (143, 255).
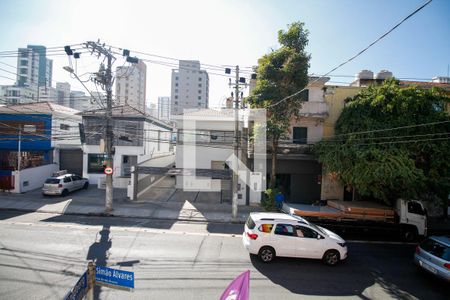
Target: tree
(281, 73)
(392, 142)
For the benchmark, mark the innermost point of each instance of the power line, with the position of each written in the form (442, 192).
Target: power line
(357, 54)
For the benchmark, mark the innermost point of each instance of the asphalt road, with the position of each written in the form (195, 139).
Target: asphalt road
(43, 255)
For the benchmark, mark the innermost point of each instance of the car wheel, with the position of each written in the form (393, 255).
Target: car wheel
(86, 185)
(331, 257)
(64, 193)
(266, 254)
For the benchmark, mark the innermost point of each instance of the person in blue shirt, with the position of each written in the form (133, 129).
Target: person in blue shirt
(279, 198)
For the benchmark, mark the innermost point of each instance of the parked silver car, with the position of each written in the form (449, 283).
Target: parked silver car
(63, 184)
(433, 255)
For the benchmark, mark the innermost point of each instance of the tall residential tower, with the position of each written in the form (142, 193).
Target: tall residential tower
(131, 85)
(33, 67)
(190, 87)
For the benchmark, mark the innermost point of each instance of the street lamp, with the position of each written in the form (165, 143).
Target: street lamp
(71, 71)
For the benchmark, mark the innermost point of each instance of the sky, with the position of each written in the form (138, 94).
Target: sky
(232, 32)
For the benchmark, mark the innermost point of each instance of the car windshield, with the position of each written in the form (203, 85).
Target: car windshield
(317, 228)
(52, 180)
(437, 249)
(250, 223)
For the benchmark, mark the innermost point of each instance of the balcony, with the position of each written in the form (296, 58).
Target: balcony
(285, 149)
(314, 109)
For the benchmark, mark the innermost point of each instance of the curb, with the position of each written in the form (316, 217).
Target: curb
(104, 215)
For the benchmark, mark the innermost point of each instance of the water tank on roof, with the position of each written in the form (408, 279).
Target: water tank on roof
(441, 79)
(364, 74)
(383, 74)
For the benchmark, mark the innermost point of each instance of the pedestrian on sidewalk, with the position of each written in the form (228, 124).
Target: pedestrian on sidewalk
(279, 199)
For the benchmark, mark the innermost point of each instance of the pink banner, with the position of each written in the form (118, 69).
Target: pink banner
(239, 288)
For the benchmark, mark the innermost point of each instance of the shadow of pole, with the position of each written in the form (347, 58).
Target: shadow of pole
(98, 252)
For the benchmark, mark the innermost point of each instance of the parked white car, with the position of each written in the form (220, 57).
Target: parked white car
(276, 234)
(63, 184)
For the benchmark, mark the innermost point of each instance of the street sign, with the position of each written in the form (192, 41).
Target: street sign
(79, 290)
(108, 171)
(114, 278)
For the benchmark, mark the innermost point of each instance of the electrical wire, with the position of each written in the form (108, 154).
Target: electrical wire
(356, 55)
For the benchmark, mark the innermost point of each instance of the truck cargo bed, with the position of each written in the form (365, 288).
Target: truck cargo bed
(339, 210)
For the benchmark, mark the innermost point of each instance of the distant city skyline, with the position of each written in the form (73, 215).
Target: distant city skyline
(223, 34)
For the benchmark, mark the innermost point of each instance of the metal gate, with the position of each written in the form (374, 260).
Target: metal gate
(6, 182)
(71, 160)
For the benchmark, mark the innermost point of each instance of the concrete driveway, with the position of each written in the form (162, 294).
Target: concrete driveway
(164, 191)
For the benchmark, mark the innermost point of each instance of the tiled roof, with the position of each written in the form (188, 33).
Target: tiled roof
(117, 111)
(37, 108)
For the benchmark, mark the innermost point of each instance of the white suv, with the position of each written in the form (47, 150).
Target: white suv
(276, 234)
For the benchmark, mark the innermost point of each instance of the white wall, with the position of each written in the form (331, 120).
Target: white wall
(151, 139)
(73, 132)
(316, 94)
(33, 178)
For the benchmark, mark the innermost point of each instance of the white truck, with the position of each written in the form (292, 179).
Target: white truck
(408, 217)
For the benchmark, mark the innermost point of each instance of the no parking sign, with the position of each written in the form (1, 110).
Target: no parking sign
(108, 171)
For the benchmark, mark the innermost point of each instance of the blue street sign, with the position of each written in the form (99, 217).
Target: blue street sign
(79, 290)
(114, 277)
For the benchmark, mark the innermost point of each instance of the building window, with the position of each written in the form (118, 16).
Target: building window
(199, 91)
(199, 79)
(64, 126)
(131, 130)
(96, 163)
(176, 84)
(300, 135)
(304, 95)
(199, 85)
(29, 128)
(176, 97)
(199, 97)
(176, 90)
(176, 102)
(176, 77)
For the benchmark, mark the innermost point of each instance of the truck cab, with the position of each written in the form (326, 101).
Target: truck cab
(412, 217)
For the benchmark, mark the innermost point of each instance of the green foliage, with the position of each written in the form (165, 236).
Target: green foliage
(268, 201)
(281, 73)
(411, 161)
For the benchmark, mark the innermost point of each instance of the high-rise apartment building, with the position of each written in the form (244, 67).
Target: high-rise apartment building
(131, 85)
(33, 67)
(190, 87)
(164, 108)
(63, 93)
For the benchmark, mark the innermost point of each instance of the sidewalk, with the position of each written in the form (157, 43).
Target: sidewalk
(92, 203)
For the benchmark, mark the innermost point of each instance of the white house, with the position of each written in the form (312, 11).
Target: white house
(205, 140)
(137, 138)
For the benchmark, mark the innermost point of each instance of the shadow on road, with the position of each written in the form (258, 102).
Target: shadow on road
(99, 251)
(397, 277)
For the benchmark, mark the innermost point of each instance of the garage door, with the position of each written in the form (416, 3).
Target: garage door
(71, 160)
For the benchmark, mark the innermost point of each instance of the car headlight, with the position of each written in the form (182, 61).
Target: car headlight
(343, 245)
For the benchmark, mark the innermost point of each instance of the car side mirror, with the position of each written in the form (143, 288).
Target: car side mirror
(319, 237)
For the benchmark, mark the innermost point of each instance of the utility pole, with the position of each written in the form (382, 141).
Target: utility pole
(234, 206)
(19, 158)
(106, 81)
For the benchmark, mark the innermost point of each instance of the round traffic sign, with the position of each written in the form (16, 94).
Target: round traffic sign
(108, 171)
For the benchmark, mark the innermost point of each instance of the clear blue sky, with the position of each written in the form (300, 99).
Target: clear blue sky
(231, 32)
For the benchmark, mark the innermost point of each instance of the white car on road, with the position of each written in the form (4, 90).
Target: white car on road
(276, 234)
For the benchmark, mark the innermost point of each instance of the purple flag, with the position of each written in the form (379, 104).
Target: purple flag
(238, 288)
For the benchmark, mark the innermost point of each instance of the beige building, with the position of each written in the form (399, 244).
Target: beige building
(131, 85)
